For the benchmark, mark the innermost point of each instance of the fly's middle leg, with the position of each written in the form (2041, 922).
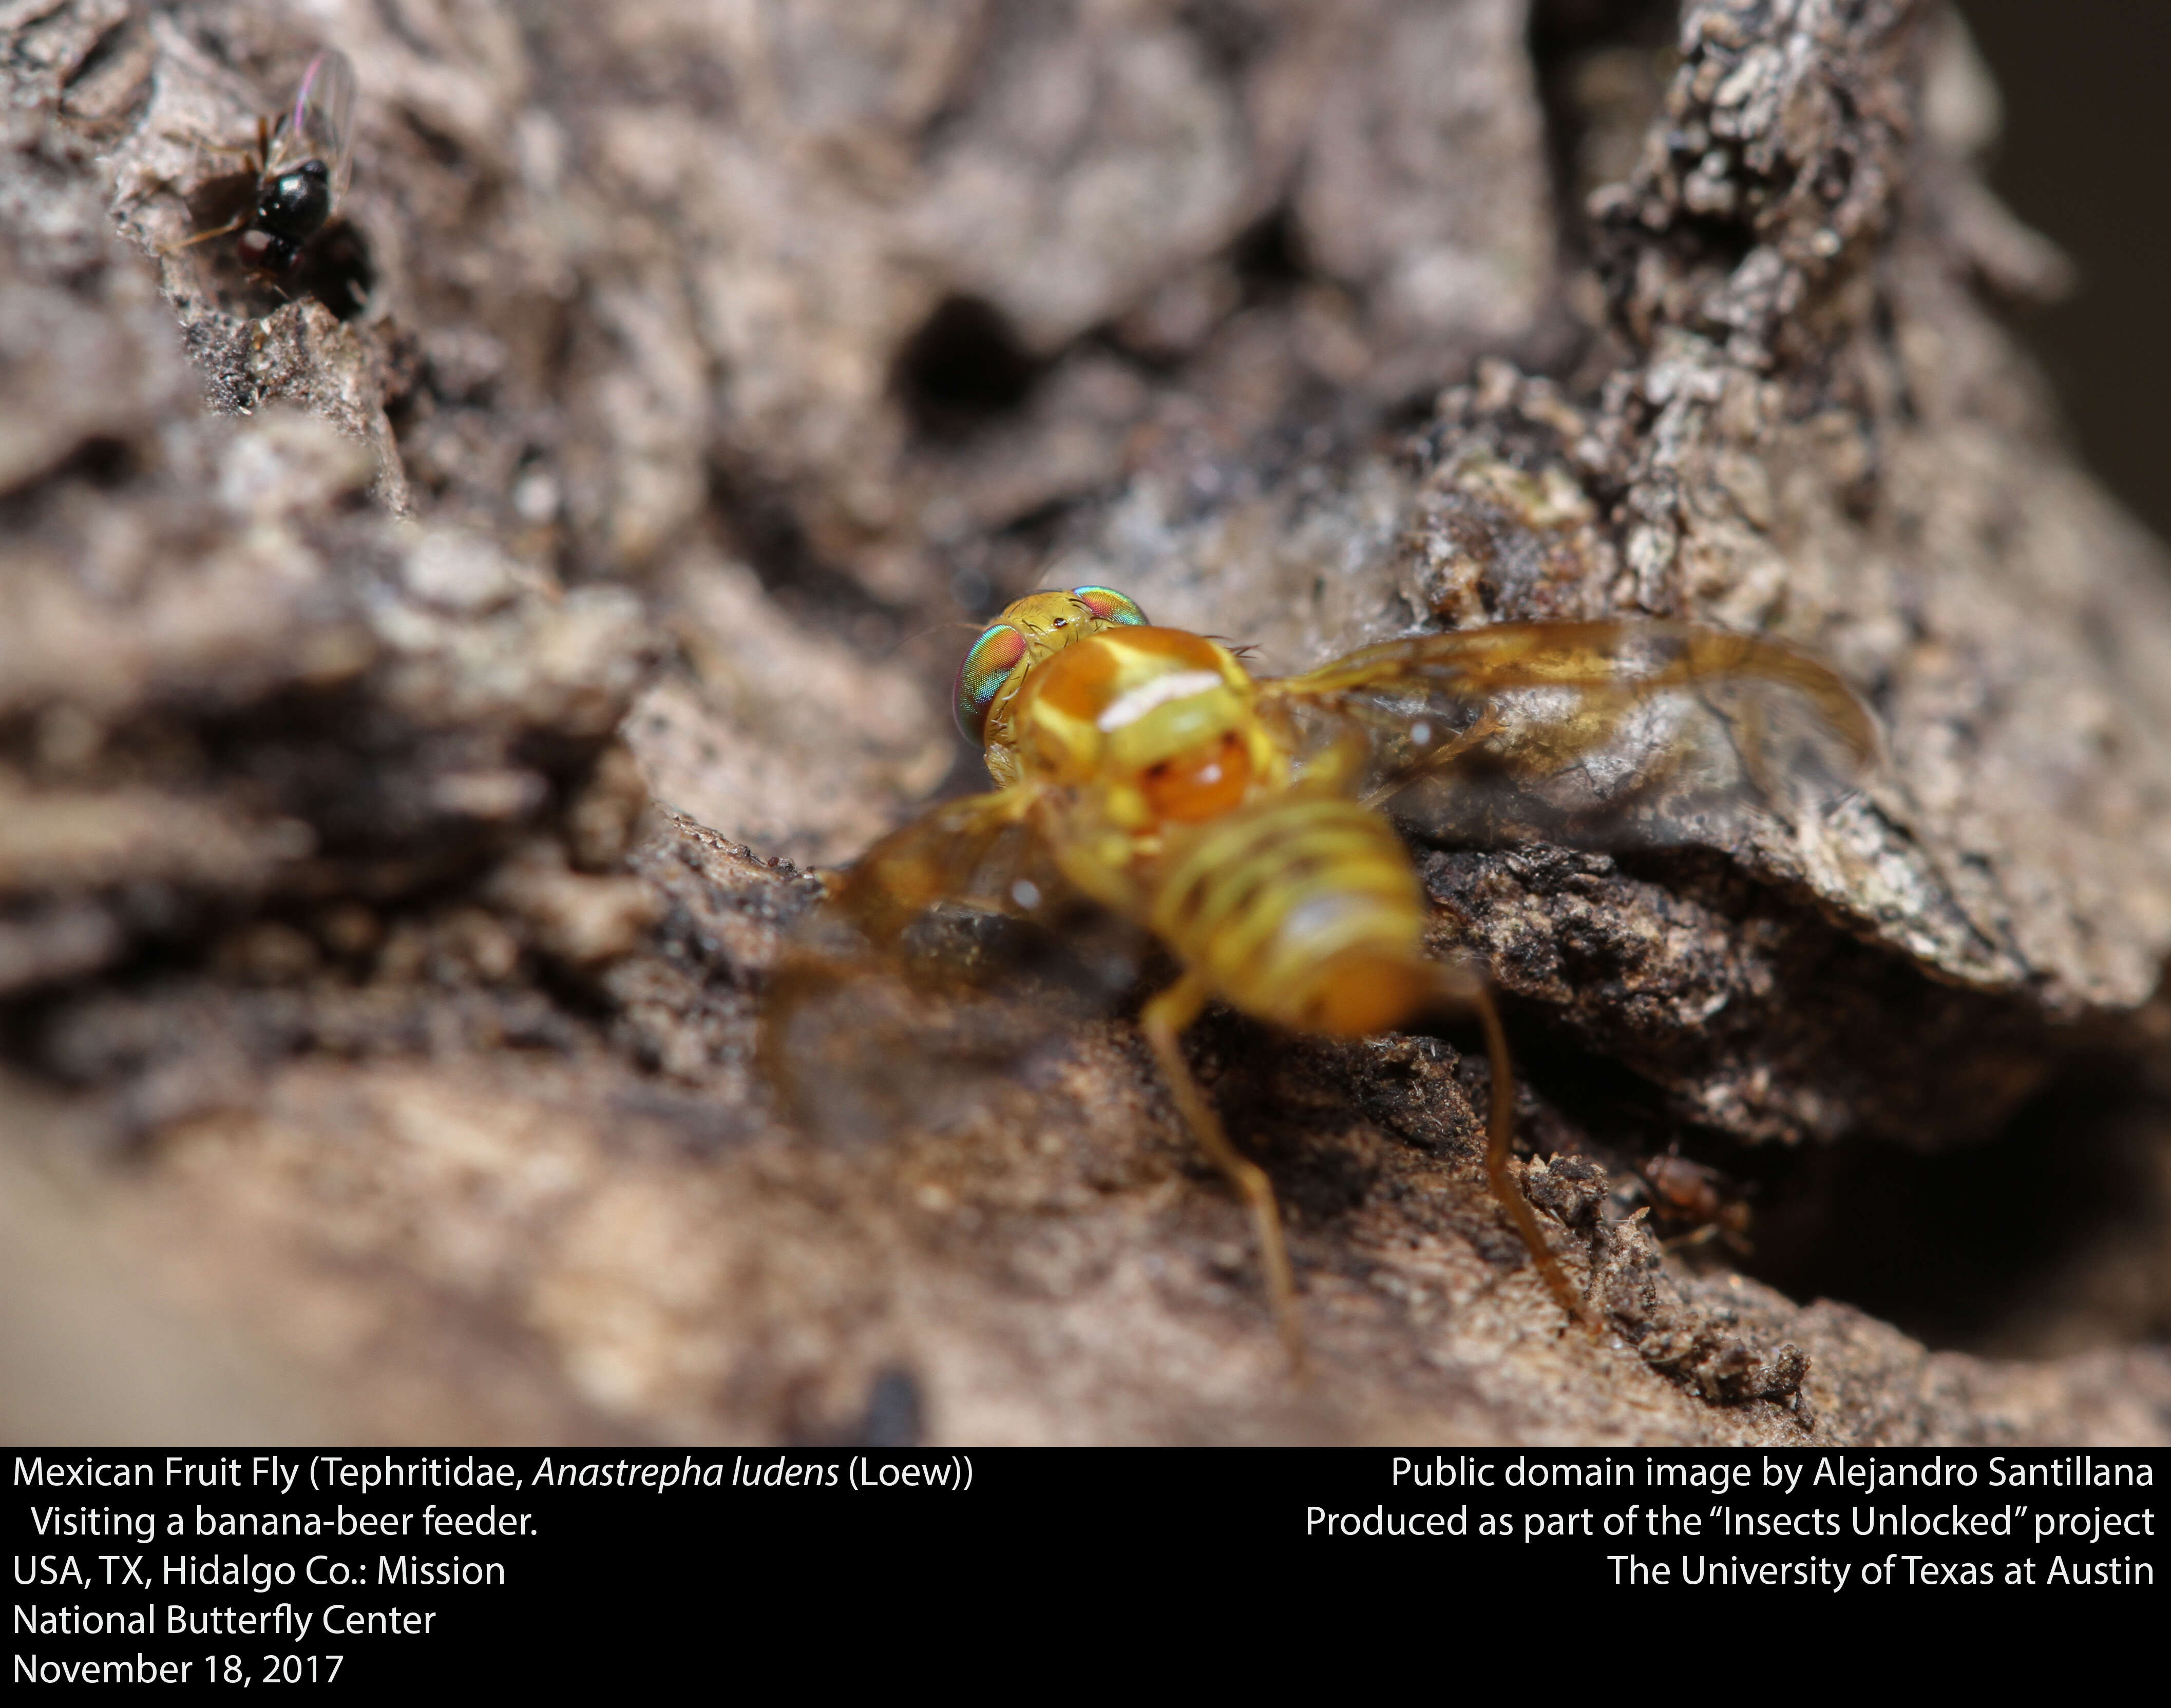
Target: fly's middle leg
(1163, 1022)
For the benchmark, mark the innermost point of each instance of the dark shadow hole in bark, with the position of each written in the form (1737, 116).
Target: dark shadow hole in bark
(893, 1414)
(220, 201)
(1600, 67)
(2085, 136)
(765, 530)
(2019, 1244)
(2039, 1240)
(105, 52)
(1230, 34)
(1268, 258)
(337, 270)
(443, 149)
(102, 461)
(965, 368)
(102, 53)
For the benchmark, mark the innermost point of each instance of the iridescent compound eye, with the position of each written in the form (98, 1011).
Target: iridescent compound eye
(1109, 605)
(981, 677)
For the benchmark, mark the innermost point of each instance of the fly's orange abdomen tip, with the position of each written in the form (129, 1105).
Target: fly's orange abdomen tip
(1363, 991)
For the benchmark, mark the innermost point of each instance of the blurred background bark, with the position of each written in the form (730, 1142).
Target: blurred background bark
(412, 684)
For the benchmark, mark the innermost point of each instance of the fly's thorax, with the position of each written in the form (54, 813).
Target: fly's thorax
(1300, 908)
(1159, 725)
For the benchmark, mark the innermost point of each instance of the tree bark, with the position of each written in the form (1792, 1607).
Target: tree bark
(416, 683)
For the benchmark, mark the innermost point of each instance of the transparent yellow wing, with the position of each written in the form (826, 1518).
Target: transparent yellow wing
(1607, 732)
(908, 1002)
(981, 852)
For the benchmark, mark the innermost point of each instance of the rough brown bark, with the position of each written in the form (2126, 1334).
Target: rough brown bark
(381, 1061)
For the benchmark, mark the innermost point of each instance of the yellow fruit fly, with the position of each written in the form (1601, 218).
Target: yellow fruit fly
(1243, 820)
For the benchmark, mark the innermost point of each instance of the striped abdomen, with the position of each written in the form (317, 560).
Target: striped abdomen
(1302, 910)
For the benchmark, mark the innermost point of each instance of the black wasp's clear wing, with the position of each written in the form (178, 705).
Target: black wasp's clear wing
(318, 122)
(1610, 733)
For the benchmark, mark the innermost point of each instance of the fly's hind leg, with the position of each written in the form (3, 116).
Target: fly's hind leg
(1466, 988)
(1163, 1022)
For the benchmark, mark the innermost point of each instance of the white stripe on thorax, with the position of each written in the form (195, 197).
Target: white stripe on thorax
(1129, 708)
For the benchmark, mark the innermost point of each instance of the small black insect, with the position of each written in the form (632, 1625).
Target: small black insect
(301, 162)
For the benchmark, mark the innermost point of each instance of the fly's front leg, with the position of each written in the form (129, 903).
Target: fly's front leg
(1466, 986)
(1163, 1023)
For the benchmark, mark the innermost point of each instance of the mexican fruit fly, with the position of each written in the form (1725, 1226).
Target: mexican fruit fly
(1242, 820)
(302, 162)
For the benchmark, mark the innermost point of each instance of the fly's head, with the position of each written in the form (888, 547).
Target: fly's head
(1030, 631)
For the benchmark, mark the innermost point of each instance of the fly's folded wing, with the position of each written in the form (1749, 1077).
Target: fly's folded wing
(1604, 733)
(941, 982)
(980, 854)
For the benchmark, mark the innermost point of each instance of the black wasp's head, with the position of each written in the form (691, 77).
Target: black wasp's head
(294, 205)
